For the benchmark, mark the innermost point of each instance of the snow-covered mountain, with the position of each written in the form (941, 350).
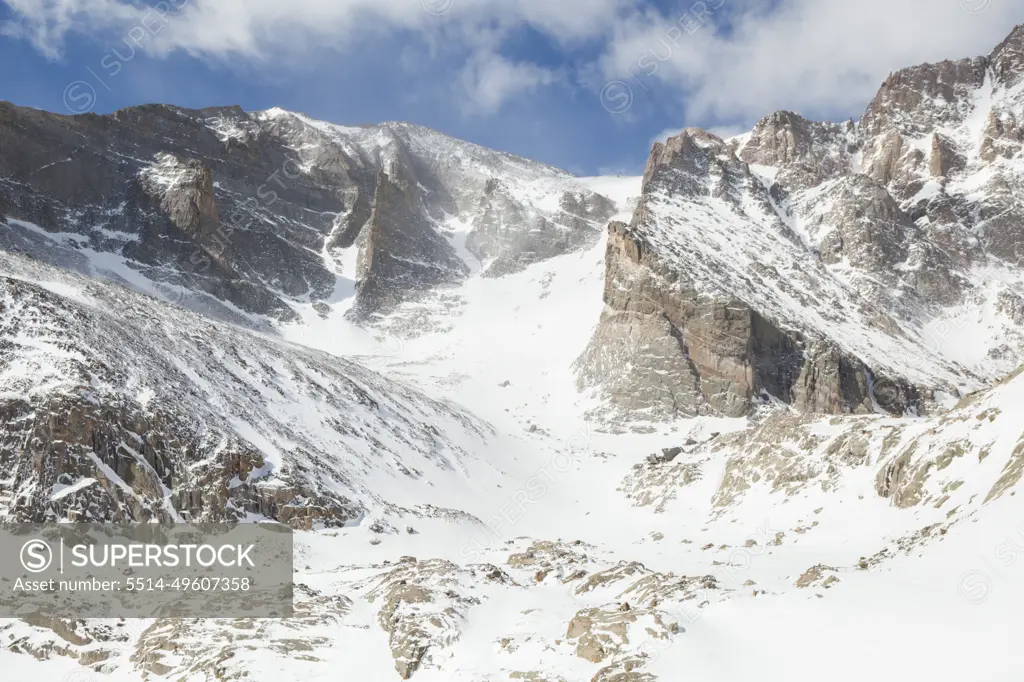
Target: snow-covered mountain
(752, 415)
(117, 407)
(835, 267)
(263, 212)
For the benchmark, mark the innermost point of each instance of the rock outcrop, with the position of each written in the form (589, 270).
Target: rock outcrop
(510, 236)
(257, 209)
(400, 251)
(807, 262)
(422, 608)
(118, 407)
(677, 338)
(913, 463)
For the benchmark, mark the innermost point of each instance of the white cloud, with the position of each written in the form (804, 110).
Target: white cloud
(45, 23)
(813, 56)
(489, 80)
(254, 28)
(819, 57)
(278, 34)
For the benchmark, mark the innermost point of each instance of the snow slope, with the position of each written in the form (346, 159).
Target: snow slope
(343, 438)
(530, 580)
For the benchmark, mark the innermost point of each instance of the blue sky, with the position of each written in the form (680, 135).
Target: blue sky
(525, 76)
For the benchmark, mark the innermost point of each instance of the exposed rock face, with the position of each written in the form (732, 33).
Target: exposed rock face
(626, 670)
(214, 648)
(919, 464)
(1007, 60)
(933, 130)
(676, 339)
(945, 157)
(399, 249)
(600, 633)
(117, 407)
(185, 192)
(256, 209)
(630, 612)
(779, 265)
(817, 576)
(510, 236)
(92, 643)
(919, 98)
(73, 460)
(422, 608)
(161, 187)
(806, 152)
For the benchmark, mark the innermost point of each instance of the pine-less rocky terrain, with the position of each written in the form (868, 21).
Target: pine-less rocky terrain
(253, 210)
(821, 264)
(754, 414)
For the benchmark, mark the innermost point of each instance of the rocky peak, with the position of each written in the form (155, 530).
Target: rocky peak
(1007, 60)
(708, 289)
(679, 151)
(784, 137)
(916, 99)
(778, 138)
(806, 151)
(695, 162)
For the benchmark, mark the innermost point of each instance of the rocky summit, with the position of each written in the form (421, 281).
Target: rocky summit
(818, 263)
(752, 415)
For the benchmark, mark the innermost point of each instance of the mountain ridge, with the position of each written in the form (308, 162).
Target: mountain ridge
(313, 182)
(877, 228)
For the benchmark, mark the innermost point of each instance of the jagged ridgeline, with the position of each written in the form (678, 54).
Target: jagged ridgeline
(254, 209)
(838, 268)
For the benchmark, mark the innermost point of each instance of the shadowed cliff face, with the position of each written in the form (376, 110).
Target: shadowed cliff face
(231, 216)
(399, 249)
(257, 210)
(802, 262)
